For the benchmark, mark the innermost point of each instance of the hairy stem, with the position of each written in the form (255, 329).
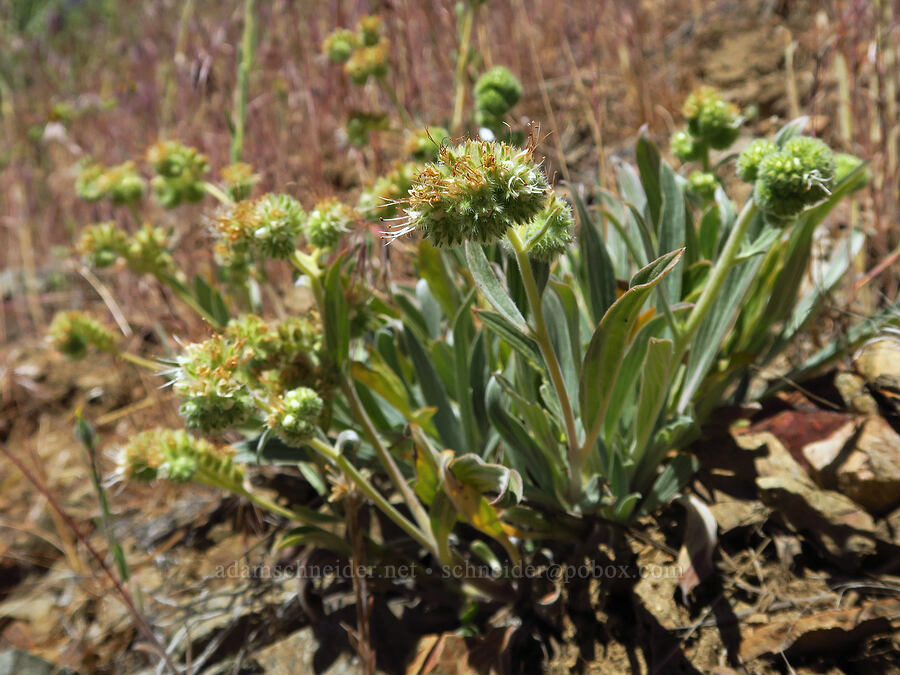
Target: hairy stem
(542, 337)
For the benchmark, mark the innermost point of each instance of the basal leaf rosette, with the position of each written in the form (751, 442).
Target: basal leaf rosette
(475, 192)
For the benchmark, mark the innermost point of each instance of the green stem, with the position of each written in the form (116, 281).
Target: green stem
(397, 478)
(542, 337)
(140, 361)
(245, 62)
(462, 58)
(217, 192)
(377, 498)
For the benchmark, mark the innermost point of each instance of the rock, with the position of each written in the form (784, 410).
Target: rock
(822, 454)
(297, 653)
(870, 475)
(838, 527)
(878, 362)
(852, 389)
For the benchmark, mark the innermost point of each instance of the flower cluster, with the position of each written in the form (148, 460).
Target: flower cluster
(210, 381)
(287, 352)
(71, 333)
(179, 173)
(551, 232)
(361, 124)
(102, 244)
(239, 180)
(279, 224)
(147, 251)
(712, 122)
(122, 184)
(475, 192)
(328, 222)
(175, 455)
(790, 179)
(703, 184)
(496, 92)
(295, 415)
(363, 53)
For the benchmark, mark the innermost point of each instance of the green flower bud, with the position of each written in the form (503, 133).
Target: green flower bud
(209, 380)
(148, 251)
(125, 186)
(91, 184)
(551, 232)
(71, 333)
(703, 185)
(328, 222)
(368, 62)
(476, 192)
(796, 177)
(712, 119)
(296, 415)
(339, 45)
(280, 221)
(180, 171)
(751, 157)
(684, 147)
(382, 201)
(175, 455)
(239, 180)
(501, 82)
(102, 244)
(424, 145)
(369, 28)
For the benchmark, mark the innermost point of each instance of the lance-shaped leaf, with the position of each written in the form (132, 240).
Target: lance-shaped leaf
(337, 323)
(491, 288)
(610, 340)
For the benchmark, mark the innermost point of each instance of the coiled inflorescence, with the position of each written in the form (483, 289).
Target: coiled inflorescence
(551, 232)
(711, 119)
(71, 333)
(475, 192)
(295, 416)
(328, 222)
(496, 92)
(179, 173)
(175, 455)
(793, 178)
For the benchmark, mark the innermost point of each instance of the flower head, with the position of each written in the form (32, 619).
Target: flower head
(712, 119)
(279, 223)
(703, 184)
(339, 45)
(752, 156)
(210, 381)
(172, 454)
(369, 29)
(179, 170)
(684, 147)
(328, 222)
(368, 62)
(147, 251)
(794, 178)
(295, 415)
(551, 232)
(71, 333)
(496, 92)
(475, 192)
(382, 201)
(102, 244)
(91, 183)
(124, 184)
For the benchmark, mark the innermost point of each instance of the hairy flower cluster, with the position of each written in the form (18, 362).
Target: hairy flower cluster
(339, 45)
(684, 147)
(382, 201)
(210, 382)
(551, 232)
(280, 221)
(71, 333)
(289, 349)
(175, 455)
(703, 184)
(711, 119)
(239, 180)
(496, 92)
(475, 192)
(102, 244)
(295, 416)
(424, 145)
(179, 173)
(794, 178)
(122, 184)
(328, 222)
(752, 156)
(368, 62)
(145, 252)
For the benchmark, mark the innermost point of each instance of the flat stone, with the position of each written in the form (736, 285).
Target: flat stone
(297, 654)
(870, 475)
